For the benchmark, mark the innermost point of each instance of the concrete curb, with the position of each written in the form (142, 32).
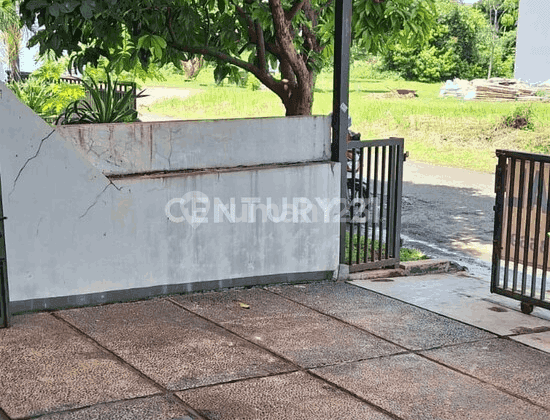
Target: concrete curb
(410, 268)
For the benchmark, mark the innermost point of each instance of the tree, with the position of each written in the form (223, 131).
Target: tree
(461, 45)
(503, 16)
(292, 36)
(10, 36)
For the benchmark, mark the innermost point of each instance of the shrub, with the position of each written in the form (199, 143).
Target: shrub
(101, 106)
(371, 68)
(35, 95)
(47, 99)
(522, 118)
(460, 46)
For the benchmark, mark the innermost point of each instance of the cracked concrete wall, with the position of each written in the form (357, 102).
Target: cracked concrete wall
(71, 231)
(177, 145)
(533, 42)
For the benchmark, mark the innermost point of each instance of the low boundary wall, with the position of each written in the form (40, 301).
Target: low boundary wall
(113, 212)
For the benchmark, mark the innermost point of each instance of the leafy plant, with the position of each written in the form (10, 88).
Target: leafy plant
(44, 93)
(10, 36)
(521, 118)
(105, 67)
(102, 105)
(411, 254)
(405, 254)
(36, 95)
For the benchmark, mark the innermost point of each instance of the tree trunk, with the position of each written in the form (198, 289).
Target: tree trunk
(299, 100)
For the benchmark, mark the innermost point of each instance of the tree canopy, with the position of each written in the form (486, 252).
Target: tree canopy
(464, 43)
(293, 36)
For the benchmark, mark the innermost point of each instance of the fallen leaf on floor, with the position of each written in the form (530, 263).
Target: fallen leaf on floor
(244, 305)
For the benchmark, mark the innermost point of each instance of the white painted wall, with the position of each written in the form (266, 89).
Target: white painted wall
(175, 145)
(71, 231)
(533, 41)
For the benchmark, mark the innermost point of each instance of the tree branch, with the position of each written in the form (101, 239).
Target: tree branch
(284, 38)
(250, 23)
(261, 46)
(262, 75)
(294, 10)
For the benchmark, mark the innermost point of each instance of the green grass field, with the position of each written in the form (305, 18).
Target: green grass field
(443, 131)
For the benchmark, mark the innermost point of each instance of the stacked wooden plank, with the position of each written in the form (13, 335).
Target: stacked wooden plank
(496, 89)
(503, 92)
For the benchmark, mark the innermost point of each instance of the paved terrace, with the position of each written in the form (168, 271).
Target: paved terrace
(311, 351)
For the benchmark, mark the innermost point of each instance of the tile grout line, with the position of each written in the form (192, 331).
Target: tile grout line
(298, 367)
(498, 387)
(77, 409)
(418, 352)
(406, 350)
(163, 391)
(511, 339)
(425, 309)
(353, 394)
(453, 319)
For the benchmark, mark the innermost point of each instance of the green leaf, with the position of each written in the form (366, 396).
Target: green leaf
(221, 72)
(35, 4)
(69, 6)
(54, 10)
(87, 9)
(160, 41)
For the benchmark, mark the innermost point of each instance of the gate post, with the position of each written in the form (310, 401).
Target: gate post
(340, 106)
(499, 210)
(4, 298)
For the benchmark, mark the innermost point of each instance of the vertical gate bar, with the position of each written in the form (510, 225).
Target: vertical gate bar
(389, 210)
(545, 263)
(526, 242)
(381, 218)
(394, 208)
(497, 231)
(540, 191)
(398, 196)
(4, 290)
(367, 211)
(361, 202)
(375, 192)
(352, 207)
(517, 241)
(511, 192)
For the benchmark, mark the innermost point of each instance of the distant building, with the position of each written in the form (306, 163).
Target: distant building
(533, 41)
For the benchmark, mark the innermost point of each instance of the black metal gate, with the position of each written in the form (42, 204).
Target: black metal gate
(4, 298)
(374, 181)
(522, 229)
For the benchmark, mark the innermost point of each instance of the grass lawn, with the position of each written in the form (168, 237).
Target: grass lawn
(443, 131)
